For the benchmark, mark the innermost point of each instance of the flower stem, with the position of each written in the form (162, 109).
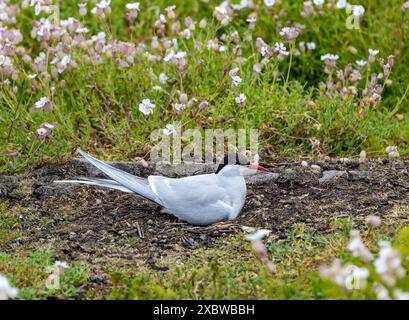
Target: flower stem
(289, 66)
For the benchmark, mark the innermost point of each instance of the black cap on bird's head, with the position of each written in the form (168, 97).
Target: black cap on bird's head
(238, 159)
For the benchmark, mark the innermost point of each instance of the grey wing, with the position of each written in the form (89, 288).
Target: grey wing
(197, 199)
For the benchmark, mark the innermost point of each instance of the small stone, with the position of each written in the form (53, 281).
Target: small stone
(331, 175)
(144, 163)
(315, 167)
(362, 156)
(304, 164)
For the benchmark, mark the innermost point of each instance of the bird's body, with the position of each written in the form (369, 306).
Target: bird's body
(201, 200)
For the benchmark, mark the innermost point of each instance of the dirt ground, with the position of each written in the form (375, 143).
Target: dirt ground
(100, 225)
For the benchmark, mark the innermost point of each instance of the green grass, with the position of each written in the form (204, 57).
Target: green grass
(29, 272)
(97, 109)
(235, 273)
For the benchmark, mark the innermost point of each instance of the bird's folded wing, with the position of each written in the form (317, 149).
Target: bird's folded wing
(191, 192)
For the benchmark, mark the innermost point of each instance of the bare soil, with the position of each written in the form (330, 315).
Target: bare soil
(103, 226)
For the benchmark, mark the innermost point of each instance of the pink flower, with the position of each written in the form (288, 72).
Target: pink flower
(373, 221)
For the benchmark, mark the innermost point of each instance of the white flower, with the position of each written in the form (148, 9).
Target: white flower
(329, 57)
(162, 18)
(242, 5)
(373, 52)
(236, 81)
(358, 11)
(132, 6)
(169, 130)
(264, 51)
(6, 290)
(357, 248)
(32, 76)
(319, 3)
(180, 54)
(251, 20)
(104, 4)
(392, 152)
(359, 275)
(281, 49)
(163, 78)
(180, 107)
(185, 34)
(289, 33)
(99, 36)
(210, 45)
(170, 8)
(311, 46)
(361, 63)
(82, 30)
(349, 276)
(42, 132)
(5, 61)
(41, 103)
(258, 235)
(269, 3)
(171, 54)
(381, 292)
(341, 4)
(61, 266)
(233, 72)
(388, 264)
(400, 295)
(146, 107)
(223, 49)
(240, 99)
(48, 126)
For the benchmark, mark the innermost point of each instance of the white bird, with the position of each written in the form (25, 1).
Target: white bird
(201, 199)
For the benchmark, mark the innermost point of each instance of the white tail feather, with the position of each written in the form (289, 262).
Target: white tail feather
(122, 180)
(98, 182)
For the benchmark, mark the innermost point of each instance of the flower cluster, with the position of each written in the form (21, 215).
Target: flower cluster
(387, 268)
(259, 248)
(346, 82)
(6, 290)
(44, 132)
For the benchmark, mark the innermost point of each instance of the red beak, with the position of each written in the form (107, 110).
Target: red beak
(257, 167)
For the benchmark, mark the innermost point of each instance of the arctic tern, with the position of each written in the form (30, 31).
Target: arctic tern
(200, 199)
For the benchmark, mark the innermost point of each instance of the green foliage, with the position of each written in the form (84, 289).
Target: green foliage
(97, 109)
(402, 242)
(8, 225)
(29, 273)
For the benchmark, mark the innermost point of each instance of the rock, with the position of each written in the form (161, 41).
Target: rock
(315, 167)
(261, 178)
(330, 175)
(7, 184)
